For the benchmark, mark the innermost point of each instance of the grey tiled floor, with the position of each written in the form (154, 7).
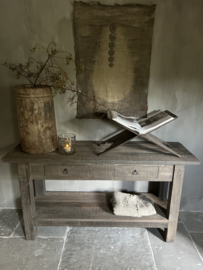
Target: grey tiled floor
(63, 248)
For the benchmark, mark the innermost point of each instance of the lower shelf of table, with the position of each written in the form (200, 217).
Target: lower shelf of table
(91, 210)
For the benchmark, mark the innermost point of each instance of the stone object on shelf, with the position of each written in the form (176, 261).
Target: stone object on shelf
(131, 205)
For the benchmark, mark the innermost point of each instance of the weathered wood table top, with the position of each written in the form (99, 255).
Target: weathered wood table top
(94, 209)
(139, 152)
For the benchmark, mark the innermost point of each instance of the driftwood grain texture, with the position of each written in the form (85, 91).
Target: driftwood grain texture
(129, 153)
(118, 140)
(106, 172)
(28, 203)
(125, 136)
(157, 141)
(134, 161)
(113, 44)
(39, 187)
(90, 209)
(36, 119)
(174, 202)
(93, 198)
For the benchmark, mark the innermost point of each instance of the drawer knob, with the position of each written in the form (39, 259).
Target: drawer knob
(135, 172)
(65, 171)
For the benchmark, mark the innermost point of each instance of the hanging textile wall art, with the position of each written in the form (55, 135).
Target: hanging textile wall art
(113, 45)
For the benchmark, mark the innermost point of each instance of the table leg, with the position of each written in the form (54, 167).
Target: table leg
(28, 203)
(163, 189)
(39, 187)
(174, 202)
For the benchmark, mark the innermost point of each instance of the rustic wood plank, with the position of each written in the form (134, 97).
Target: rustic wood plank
(58, 213)
(174, 202)
(100, 223)
(109, 172)
(74, 196)
(163, 189)
(39, 186)
(118, 137)
(156, 141)
(159, 201)
(67, 171)
(91, 209)
(90, 198)
(85, 197)
(27, 199)
(122, 139)
(36, 170)
(129, 153)
(32, 197)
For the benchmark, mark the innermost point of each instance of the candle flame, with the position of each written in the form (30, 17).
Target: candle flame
(67, 144)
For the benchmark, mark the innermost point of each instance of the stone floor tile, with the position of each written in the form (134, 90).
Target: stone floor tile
(49, 232)
(21, 254)
(193, 221)
(107, 249)
(52, 232)
(178, 255)
(198, 240)
(9, 219)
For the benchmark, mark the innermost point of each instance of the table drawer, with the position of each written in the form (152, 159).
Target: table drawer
(144, 172)
(80, 172)
(67, 172)
(103, 172)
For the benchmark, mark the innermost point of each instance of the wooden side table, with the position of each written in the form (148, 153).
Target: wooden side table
(134, 161)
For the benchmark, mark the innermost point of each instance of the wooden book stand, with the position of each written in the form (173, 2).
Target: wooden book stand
(128, 135)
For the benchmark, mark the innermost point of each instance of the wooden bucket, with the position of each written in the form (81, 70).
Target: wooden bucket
(36, 119)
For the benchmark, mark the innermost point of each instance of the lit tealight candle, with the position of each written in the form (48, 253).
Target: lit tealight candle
(67, 148)
(66, 143)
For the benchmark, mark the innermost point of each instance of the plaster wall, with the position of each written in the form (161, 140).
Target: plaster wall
(176, 84)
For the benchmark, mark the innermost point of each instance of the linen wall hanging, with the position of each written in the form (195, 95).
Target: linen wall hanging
(113, 45)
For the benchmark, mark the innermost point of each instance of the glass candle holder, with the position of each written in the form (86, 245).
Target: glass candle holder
(67, 143)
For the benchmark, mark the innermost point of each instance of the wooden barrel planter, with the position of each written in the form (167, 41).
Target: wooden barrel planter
(36, 119)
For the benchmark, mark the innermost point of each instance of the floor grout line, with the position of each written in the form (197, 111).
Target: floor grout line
(92, 257)
(16, 227)
(150, 246)
(64, 242)
(4, 237)
(11, 235)
(192, 241)
(50, 237)
(38, 237)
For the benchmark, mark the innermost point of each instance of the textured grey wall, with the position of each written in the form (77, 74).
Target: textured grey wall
(176, 83)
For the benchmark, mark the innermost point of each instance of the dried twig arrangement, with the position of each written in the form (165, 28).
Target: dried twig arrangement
(50, 73)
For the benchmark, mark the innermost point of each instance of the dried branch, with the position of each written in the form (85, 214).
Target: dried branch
(50, 73)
